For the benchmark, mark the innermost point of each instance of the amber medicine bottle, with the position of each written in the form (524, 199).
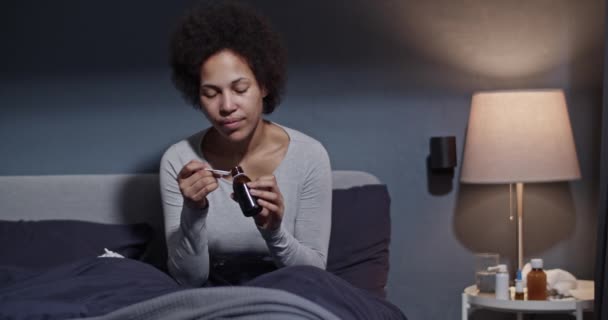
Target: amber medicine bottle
(248, 203)
(537, 281)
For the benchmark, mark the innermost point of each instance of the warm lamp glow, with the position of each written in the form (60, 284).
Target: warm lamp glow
(519, 136)
(498, 39)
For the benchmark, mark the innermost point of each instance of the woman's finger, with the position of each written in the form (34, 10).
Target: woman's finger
(268, 195)
(196, 181)
(206, 185)
(264, 182)
(197, 177)
(271, 207)
(190, 168)
(204, 191)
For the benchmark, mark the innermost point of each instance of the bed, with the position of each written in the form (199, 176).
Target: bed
(92, 246)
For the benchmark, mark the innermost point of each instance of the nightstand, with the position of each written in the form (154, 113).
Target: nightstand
(473, 299)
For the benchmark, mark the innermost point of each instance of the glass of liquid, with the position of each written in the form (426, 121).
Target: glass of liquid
(484, 279)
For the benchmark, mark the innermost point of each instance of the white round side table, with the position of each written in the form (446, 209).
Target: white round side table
(473, 299)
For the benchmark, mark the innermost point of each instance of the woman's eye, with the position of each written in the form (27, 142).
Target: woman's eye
(241, 89)
(209, 93)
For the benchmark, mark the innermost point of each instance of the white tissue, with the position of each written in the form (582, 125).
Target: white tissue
(561, 281)
(110, 254)
(557, 279)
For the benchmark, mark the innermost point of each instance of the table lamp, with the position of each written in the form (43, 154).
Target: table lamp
(515, 137)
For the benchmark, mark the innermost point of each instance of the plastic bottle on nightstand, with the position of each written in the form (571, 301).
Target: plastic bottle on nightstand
(519, 287)
(502, 281)
(537, 281)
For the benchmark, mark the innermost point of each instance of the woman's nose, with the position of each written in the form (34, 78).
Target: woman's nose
(227, 104)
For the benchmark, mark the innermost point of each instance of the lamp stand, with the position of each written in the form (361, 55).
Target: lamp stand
(520, 218)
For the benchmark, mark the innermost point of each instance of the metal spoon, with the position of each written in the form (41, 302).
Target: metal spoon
(219, 172)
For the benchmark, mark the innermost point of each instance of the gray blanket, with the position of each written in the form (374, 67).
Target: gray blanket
(223, 302)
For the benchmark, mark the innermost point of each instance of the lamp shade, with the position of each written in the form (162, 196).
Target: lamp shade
(519, 136)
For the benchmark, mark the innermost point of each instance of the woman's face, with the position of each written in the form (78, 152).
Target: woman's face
(230, 95)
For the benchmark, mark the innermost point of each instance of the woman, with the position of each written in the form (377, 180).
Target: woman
(229, 63)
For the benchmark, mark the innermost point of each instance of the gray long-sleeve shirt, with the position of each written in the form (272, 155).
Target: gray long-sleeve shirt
(304, 179)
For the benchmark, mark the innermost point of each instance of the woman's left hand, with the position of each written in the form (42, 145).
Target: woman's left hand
(269, 196)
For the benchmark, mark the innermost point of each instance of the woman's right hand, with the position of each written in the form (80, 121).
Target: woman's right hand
(195, 184)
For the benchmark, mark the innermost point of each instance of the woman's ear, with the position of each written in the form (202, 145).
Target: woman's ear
(264, 92)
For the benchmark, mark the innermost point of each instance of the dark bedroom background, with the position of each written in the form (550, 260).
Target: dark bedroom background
(85, 89)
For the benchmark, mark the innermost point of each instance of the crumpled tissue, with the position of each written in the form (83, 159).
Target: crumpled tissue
(110, 254)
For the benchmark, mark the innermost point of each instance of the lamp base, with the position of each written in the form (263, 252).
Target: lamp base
(520, 222)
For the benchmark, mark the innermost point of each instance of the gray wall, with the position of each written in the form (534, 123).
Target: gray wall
(84, 88)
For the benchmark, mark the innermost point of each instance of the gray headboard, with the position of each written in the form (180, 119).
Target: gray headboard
(106, 198)
(109, 198)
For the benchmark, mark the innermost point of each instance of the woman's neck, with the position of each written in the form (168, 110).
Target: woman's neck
(237, 152)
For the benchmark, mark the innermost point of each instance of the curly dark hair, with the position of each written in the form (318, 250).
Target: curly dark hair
(217, 25)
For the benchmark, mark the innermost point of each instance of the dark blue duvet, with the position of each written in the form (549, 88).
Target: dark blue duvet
(82, 288)
(98, 286)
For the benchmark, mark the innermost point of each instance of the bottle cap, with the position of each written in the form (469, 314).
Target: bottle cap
(236, 170)
(537, 263)
(499, 268)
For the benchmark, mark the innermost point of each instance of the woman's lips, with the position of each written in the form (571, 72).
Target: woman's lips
(231, 124)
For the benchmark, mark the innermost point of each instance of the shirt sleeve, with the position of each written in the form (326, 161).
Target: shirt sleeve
(309, 243)
(185, 228)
